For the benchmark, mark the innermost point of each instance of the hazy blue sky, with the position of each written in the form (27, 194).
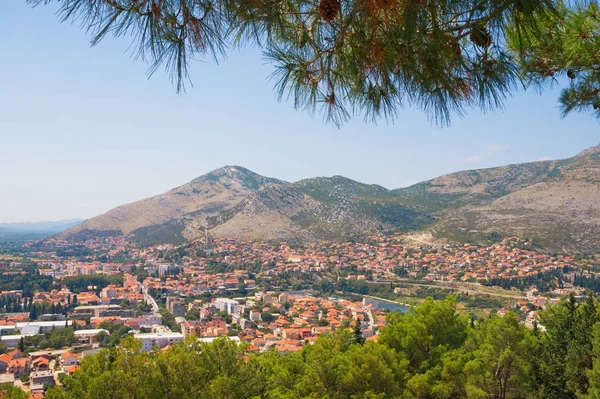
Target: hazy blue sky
(83, 130)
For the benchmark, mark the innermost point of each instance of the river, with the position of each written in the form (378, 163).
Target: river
(395, 307)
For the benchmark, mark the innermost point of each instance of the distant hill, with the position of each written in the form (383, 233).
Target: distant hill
(39, 227)
(556, 203)
(16, 233)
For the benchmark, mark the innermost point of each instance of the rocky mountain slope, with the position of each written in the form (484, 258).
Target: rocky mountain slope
(556, 203)
(560, 210)
(233, 201)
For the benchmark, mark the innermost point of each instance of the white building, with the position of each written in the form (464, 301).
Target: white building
(43, 326)
(108, 292)
(11, 341)
(209, 340)
(158, 339)
(7, 330)
(87, 336)
(254, 315)
(230, 306)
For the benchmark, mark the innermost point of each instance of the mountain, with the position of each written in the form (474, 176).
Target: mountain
(233, 201)
(39, 227)
(556, 203)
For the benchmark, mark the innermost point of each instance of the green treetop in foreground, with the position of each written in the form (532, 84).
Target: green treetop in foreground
(370, 57)
(430, 352)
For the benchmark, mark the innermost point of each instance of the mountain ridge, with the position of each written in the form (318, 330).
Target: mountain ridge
(470, 204)
(45, 226)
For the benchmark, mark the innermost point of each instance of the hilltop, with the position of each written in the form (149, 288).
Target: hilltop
(234, 201)
(555, 203)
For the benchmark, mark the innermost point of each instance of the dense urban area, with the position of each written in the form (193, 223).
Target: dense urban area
(62, 302)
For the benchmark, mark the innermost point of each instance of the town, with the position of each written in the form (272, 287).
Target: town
(269, 296)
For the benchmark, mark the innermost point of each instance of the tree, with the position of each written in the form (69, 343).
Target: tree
(193, 314)
(338, 56)
(267, 317)
(9, 391)
(22, 345)
(564, 45)
(33, 314)
(567, 348)
(359, 338)
(426, 332)
(500, 352)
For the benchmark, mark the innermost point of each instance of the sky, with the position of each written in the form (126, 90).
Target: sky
(83, 129)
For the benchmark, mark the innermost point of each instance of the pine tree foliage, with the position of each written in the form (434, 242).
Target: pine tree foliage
(429, 352)
(338, 57)
(566, 45)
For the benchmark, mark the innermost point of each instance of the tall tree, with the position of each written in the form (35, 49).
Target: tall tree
(426, 332)
(560, 321)
(359, 338)
(33, 315)
(501, 351)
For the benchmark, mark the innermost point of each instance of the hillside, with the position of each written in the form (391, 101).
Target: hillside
(233, 201)
(560, 211)
(557, 203)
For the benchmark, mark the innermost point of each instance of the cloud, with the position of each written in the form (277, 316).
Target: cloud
(545, 158)
(498, 147)
(473, 158)
(491, 150)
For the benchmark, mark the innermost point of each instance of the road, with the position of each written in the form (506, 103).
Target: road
(150, 300)
(467, 289)
(371, 319)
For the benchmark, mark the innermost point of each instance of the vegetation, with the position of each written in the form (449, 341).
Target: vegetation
(77, 284)
(168, 319)
(9, 391)
(544, 282)
(56, 339)
(370, 57)
(29, 282)
(565, 46)
(428, 352)
(116, 333)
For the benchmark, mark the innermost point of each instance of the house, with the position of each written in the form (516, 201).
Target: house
(7, 357)
(38, 379)
(19, 366)
(88, 336)
(40, 364)
(254, 315)
(68, 359)
(321, 330)
(71, 369)
(291, 333)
